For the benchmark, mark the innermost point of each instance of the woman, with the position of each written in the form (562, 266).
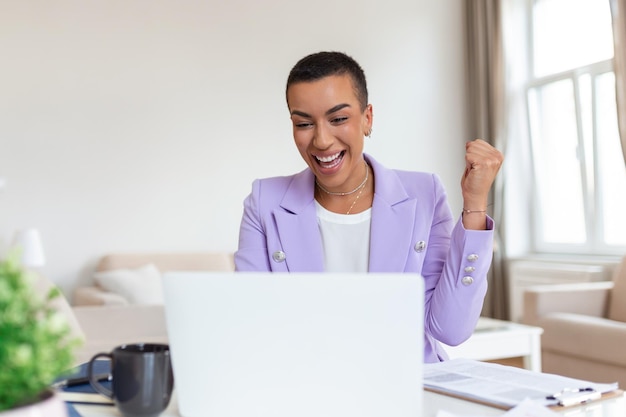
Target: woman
(348, 213)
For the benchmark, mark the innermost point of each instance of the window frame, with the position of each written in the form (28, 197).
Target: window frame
(591, 192)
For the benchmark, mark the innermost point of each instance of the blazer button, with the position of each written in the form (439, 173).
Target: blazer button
(420, 246)
(279, 256)
(467, 280)
(470, 269)
(472, 258)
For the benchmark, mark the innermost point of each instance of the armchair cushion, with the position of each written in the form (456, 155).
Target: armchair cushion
(138, 285)
(563, 333)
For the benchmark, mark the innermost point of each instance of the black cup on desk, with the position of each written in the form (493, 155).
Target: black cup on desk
(142, 378)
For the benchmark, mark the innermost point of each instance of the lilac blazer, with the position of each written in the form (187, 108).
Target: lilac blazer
(412, 230)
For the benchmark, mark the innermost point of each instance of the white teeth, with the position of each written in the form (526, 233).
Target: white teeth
(328, 158)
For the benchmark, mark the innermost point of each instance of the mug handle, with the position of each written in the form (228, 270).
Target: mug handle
(92, 376)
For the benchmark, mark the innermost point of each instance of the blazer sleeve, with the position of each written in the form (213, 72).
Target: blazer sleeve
(454, 268)
(455, 274)
(252, 252)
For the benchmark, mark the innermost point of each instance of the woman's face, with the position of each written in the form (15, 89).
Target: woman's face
(328, 129)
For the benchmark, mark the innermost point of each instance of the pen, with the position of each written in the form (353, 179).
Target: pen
(573, 396)
(72, 382)
(566, 391)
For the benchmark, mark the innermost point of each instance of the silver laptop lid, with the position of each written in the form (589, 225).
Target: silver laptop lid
(263, 344)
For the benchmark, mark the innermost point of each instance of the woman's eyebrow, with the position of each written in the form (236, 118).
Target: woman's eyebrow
(300, 113)
(337, 108)
(328, 112)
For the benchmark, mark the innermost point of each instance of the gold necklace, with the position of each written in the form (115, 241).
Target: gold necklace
(356, 199)
(360, 187)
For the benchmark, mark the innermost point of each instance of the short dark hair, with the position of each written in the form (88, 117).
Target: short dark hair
(323, 64)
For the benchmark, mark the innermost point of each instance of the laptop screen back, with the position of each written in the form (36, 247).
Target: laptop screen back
(268, 344)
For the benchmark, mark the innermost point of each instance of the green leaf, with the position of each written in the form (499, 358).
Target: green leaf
(35, 344)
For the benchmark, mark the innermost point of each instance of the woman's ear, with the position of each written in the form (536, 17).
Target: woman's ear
(368, 120)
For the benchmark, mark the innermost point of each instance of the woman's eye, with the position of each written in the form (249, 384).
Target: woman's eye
(338, 120)
(303, 125)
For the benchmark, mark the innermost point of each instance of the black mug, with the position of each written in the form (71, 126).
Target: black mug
(142, 378)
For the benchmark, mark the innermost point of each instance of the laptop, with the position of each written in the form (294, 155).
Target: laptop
(300, 344)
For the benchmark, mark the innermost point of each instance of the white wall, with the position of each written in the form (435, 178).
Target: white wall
(138, 125)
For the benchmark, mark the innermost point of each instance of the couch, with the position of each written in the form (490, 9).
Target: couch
(103, 319)
(124, 278)
(584, 327)
(99, 329)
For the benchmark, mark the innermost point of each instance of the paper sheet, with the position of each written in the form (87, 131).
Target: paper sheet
(500, 385)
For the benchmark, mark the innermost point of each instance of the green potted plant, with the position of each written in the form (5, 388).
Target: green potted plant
(35, 344)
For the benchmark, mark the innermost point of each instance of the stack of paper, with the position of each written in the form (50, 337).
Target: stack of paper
(506, 386)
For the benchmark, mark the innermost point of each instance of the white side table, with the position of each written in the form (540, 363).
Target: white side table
(498, 339)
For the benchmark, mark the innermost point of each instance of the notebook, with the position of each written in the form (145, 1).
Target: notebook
(305, 344)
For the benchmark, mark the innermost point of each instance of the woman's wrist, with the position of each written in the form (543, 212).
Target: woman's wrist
(474, 214)
(474, 220)
(470, 211)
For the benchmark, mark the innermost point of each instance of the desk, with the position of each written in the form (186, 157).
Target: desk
(433, 402)
(498, 339)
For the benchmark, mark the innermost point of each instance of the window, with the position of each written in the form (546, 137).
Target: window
(579, 175)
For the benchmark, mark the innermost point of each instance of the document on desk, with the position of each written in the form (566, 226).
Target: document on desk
(507, 386)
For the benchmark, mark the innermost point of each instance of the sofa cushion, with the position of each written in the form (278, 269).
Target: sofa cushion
(138, 285)
(617, 302)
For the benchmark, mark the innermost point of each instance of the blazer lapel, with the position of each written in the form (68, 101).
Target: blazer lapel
(296, 222)
(393, 217)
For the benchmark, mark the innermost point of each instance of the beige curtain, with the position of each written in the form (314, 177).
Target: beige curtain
(485, 76)
(618, 11)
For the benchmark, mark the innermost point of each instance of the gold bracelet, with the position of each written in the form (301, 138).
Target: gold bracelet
(473, 211)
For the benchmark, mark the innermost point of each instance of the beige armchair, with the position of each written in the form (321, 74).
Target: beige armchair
(584, 327)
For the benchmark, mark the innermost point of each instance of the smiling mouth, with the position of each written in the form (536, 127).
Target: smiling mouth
(330, 161)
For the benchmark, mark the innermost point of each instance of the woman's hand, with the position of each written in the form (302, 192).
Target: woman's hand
(482, 163)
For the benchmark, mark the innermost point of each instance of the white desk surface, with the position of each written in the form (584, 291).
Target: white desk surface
(433, 402)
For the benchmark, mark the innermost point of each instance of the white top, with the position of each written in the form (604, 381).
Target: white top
(345, 240)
